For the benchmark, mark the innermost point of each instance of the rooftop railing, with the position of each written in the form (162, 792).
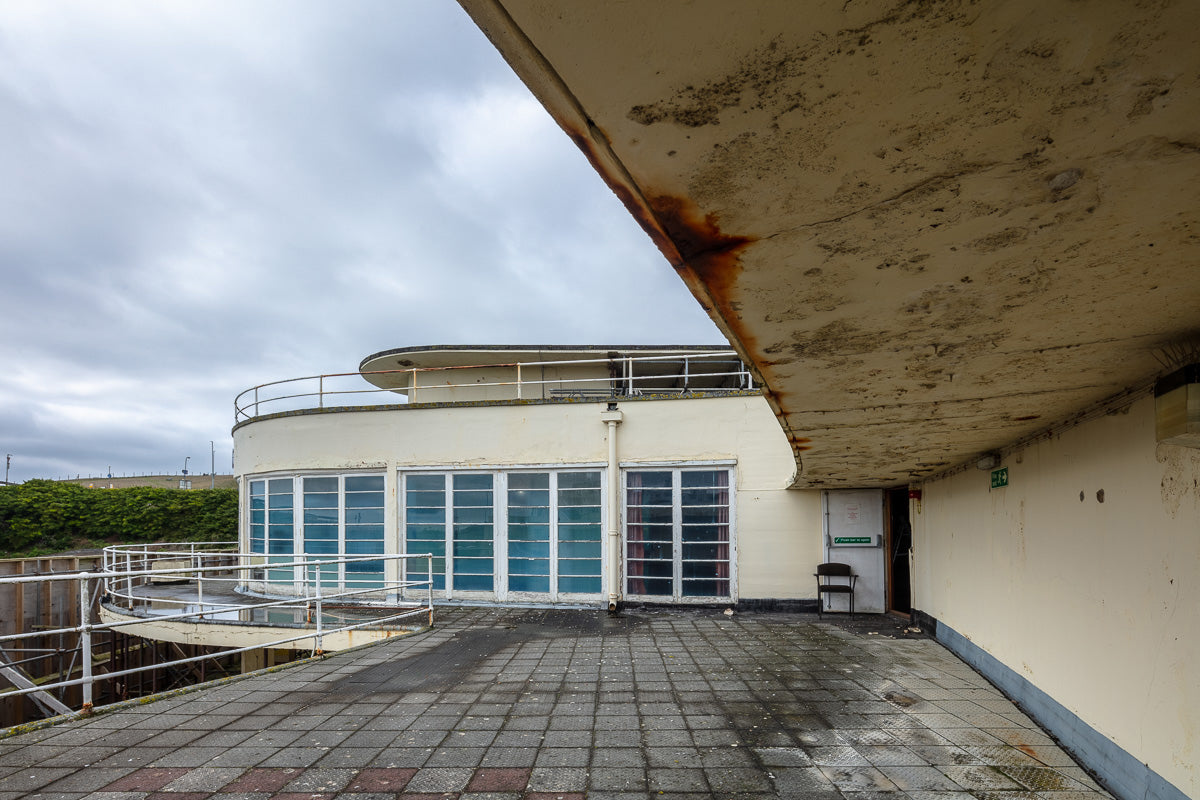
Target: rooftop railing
(204, 583)
(713, 372)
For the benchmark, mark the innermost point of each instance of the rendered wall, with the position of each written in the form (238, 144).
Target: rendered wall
(778, 530)
(1083, 577)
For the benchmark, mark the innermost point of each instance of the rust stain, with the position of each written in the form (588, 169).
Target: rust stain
(1026, 749)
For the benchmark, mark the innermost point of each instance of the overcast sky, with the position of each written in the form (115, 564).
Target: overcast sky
(197, 197)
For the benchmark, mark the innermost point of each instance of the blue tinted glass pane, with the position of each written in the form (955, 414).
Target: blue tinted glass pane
(364, 499)
(280, 532)
(472, 583)
(281, 546)
(364, 547)
(529, 583)
(258, 517)
(473, 532)
(579, 514)
(425, 483)
(529, 480)
(320, 546)
(329, 516)
(426, 515)
(472, 499)
(435, 548)
(281, 517)
(439, 581)
(586, 566)
(258, 487)
(475, 481)
(427, 499)
(579, 549)
(320, 485)
(579, 480)
(321, 532)
(529, 566)
(257, 546)
(279, 501)
(364, 483)
(478, 515)
(579, 585)
(472, 566)
(258, 502)
(279, 486)
(518, 514)
(320, 500)
(432, 532)
(579, 497)
(528, 497)
(364, 532)
(473, 548)
(364, 516)
(365, 566)
(580, 533)
(528, 549)
(529, 533)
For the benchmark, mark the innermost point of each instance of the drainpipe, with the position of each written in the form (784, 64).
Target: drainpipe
(612, 417)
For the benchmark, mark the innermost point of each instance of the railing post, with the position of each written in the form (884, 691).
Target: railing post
(256, 401)
(429, 575)
(85, 642)
(412, 395)
(129, 580)
(518, 380)
(319, 640)
(197, 564)
(320, 391)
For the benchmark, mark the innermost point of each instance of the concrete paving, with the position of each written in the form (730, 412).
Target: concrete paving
(556, 704)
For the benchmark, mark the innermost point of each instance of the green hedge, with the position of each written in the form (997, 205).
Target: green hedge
(39, 517)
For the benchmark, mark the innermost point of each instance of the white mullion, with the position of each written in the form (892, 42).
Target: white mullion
(553, 534)
(677, 535)
(449, 548)
(604, 565)
(341, 500)
(297, 529)
(500, 535)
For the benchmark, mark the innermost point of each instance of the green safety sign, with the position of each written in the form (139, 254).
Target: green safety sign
(852, 540)
(999, 477)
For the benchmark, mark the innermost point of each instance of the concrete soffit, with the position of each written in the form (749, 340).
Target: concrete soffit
(932, 230)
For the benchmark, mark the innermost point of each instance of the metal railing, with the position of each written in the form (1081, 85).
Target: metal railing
(625, 376)
(218, 575)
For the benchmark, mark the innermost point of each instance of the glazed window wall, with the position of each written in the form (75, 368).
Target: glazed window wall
(337, 515)
(678, 533)
(536, 533)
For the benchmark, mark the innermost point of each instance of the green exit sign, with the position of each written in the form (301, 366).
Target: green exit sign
(852, 540)
(999, 477)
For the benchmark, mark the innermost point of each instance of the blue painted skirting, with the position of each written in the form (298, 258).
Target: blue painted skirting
(1121, 773)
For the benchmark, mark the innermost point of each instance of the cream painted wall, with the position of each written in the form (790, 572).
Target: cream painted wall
(779, 530)
(1095, 603)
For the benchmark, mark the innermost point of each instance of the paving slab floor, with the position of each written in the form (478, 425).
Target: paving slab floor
(569, 704)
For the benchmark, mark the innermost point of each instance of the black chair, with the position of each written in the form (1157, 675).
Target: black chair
(832, 570)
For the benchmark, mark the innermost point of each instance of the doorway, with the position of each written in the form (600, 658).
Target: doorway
(899, 544)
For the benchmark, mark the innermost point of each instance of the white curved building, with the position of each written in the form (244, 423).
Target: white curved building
(582, 475)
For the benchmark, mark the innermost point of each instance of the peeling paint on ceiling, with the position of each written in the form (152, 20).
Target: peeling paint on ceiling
(934, 228)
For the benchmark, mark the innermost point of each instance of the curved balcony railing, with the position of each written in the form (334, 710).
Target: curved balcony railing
(693, 373)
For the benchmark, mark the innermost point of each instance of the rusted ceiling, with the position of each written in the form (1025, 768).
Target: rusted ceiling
(934, 228)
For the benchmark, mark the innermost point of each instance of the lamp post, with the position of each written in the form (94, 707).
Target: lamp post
(185, 460)
(212, 469)
(7, 464)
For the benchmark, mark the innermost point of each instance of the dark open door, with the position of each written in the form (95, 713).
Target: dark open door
(899, 542)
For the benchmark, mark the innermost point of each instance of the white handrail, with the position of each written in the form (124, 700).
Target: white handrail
(249, 403)
(137, 568)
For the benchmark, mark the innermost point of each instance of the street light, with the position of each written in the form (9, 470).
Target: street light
(185, 460)
(212, 470)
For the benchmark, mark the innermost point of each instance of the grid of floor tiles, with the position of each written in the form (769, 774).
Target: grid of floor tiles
(533, 704)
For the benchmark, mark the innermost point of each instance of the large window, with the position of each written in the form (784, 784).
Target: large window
(535, 533)
(677, 533)
(337, 515)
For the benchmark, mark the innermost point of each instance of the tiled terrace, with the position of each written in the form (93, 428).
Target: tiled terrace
(511, 703)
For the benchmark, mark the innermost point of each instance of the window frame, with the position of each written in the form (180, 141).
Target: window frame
(676, 469)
